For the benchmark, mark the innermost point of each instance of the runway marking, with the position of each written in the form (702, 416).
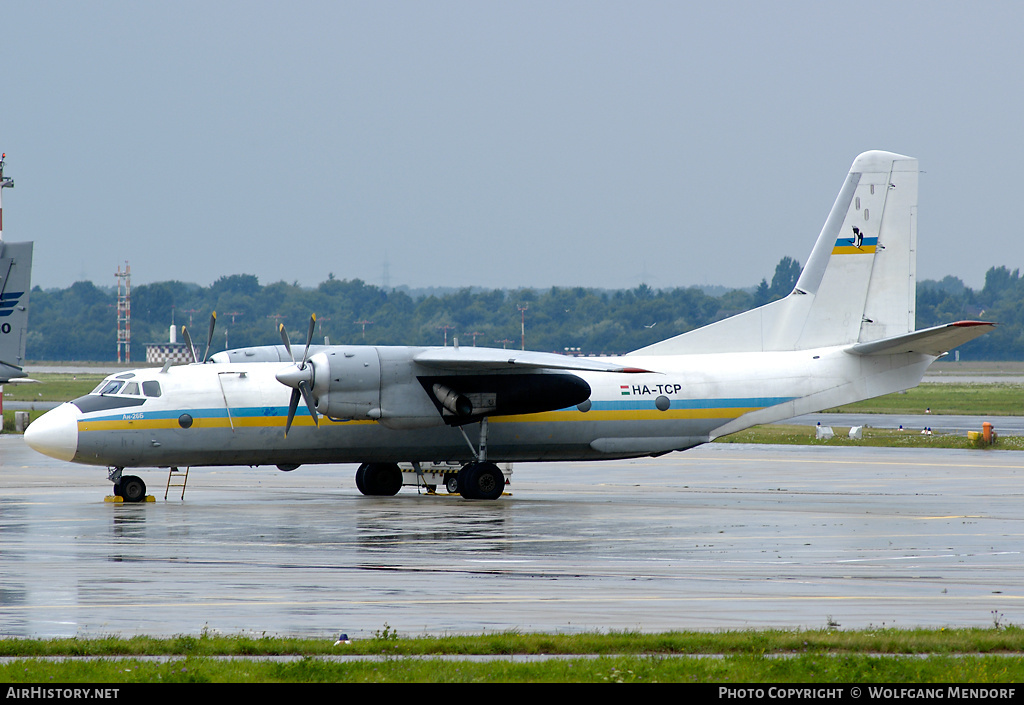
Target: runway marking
(491, 599)
(831, 461)
(955, 516)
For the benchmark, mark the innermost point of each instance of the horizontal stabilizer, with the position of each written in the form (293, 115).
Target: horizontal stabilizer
(930, 341)
(450, 358)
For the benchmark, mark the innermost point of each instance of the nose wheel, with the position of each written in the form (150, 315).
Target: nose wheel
(129, 488)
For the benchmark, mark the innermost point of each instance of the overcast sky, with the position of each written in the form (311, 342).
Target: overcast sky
(497, 144)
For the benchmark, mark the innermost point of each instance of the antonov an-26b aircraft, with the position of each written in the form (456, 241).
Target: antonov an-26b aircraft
(845, 333)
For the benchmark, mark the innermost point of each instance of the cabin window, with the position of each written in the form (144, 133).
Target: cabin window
(151, 388)
(110, 387)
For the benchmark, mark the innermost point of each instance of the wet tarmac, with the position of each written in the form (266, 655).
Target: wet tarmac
(719, 537)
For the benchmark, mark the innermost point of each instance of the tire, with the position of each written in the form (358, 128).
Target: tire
(361, 479)
(382, 479)
(132, 489)
(464, 480)
(483, 481)
(451, 483)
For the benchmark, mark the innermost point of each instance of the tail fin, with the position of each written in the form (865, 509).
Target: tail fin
(859, 283)
(15, 285)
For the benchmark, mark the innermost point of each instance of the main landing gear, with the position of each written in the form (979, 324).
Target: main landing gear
(479, 479)
(128, 487)
(379, 479)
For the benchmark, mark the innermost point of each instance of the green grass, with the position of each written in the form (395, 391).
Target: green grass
(856, 668)
(1000, 638)
(828, 655)
(53, 386)
(996, 399)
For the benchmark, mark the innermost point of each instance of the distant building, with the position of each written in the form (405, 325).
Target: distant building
(159, 353)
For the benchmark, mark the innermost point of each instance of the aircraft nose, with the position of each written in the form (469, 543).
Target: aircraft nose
(55, 433)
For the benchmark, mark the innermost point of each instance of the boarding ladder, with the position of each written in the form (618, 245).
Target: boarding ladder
(176, 478)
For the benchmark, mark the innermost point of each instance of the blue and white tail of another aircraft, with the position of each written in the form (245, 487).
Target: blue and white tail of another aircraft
(15, 282)
(845, 333)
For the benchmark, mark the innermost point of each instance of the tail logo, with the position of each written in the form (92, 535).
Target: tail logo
(856, 245)
(8, 302)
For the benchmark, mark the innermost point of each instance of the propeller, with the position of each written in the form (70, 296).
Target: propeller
(299, 377)
(209, 339)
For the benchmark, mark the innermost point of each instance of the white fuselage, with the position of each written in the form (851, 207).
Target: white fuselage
(235, 413)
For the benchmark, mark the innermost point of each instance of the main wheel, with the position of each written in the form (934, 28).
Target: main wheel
(360, 481)
(380, 479)
(451, 483)
(482, 481)
(132, 488)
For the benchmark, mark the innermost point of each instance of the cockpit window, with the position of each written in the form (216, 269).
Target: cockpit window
(110, 387)
(131, 388)
(151, 388)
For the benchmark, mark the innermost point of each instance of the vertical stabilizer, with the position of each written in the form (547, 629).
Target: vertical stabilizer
(15, 282)
(858, 284)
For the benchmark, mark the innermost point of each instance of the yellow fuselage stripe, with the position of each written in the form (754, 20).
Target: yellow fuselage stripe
(85, 426)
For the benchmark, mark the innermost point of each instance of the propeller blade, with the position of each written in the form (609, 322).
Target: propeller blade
(293, 405)
(284, 337)
(188, 342)
(308, 398)
(209, 337)
(309, 339)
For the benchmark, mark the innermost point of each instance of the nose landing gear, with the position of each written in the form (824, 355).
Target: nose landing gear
(129, 488)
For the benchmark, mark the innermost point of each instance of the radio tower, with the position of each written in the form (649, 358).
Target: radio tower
(5, 182)
(124, 312)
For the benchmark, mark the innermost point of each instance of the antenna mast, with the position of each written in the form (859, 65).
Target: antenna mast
(5, 182)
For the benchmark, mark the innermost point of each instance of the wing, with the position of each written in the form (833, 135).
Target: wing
(471, 383)
(492, 359)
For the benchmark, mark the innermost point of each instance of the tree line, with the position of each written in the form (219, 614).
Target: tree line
(80, 321)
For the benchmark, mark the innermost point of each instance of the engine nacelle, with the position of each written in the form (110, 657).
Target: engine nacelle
(465, 398)
(346, 382)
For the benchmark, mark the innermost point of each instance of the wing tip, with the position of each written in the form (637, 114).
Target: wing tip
(970, 324)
